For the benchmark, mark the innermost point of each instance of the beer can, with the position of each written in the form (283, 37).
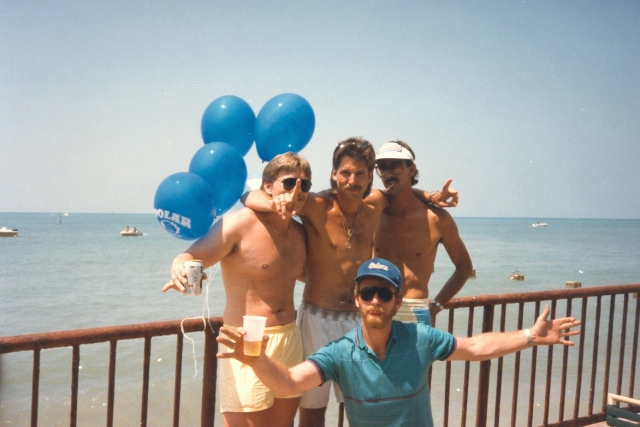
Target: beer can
(193, 269)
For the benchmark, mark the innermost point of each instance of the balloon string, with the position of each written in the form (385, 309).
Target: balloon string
(193, 343)
(205, 320)
(206, 308)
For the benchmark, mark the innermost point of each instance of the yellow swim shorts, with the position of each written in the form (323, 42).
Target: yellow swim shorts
(239, 388)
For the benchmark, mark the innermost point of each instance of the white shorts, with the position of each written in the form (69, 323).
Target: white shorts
(319, 327)
(411, 307)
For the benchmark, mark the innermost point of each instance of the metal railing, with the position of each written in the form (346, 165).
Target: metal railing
(112, 335)
(576, 380)
(589, 366)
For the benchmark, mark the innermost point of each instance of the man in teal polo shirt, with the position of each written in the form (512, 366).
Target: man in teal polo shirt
(381, 366)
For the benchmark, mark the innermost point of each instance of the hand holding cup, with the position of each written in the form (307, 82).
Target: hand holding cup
(235, 341)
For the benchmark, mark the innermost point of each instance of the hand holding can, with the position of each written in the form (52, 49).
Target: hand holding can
(193, 268)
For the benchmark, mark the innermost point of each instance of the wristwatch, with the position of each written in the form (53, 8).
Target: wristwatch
(437, 304)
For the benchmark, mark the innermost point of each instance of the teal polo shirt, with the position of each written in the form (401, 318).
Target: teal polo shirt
(393, 392)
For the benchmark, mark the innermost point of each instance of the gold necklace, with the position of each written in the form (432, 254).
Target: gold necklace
(349, 232)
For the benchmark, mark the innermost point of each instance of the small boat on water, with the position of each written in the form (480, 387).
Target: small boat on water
(516, 275)
(8, 232)
(130, 232)
(539, 224)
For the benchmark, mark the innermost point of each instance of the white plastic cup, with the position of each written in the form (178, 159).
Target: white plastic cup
(193, 269)
(254, 325)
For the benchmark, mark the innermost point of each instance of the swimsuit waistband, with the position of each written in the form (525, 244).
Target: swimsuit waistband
(329, 314)
(269, 329)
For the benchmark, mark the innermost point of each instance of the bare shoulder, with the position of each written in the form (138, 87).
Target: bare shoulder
(377, 199)
(223, 236)
(439, 216)
(317, 205)
(324, 198)
(237, 221)
(441, 220)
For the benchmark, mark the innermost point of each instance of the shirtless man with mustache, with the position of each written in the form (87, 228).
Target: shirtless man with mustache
(408, 235)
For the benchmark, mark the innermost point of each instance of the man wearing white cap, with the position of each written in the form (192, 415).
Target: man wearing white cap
(382, 365)
(408, 234)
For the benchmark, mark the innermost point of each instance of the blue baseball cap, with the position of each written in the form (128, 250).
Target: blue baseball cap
(378, 267)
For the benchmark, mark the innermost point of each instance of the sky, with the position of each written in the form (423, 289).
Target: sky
(532, 107)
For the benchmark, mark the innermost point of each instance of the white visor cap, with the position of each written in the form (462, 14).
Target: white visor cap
(393, 150)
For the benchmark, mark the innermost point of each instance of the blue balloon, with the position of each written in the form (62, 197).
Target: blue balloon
(285, 123)
(224, 169)
(229, 119)
(236, 206)
(185, 206)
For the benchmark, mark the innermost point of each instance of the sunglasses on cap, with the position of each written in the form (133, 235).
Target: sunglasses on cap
(384, 294)
(359, 144)
(290, 183)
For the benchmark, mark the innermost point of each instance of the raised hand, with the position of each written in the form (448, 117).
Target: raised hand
(555, 331)
(285, 202)
(447, 197)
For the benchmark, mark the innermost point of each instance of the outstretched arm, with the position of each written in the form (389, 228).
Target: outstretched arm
(445, 198)
(282, 380)
(497, 344)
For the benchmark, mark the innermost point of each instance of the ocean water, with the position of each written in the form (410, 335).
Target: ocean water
(77, 271)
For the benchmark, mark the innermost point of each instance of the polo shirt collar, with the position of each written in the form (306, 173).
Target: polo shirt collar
(363, 345)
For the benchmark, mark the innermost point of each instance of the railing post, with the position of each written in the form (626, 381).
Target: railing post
(35, 387)
(209, 374)
(145, 382)
(75, 375)
(111, 393)
(485, 372)
(177, 382)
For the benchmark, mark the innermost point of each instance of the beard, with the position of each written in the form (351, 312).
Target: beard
(379, 321)
(373, 322)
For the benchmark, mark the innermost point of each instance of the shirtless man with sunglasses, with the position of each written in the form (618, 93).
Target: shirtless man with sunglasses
(409, 233)
(339, 223)
(261, 256)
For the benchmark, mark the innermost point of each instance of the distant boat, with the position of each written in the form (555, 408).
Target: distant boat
(130, 233)
(516, 275)
(539, 224)
(66, 214)
(8, 232)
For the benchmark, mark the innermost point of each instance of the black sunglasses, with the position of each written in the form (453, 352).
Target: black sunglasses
(395, 166)
(384, 294)
(359, 144)
(290, 183)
